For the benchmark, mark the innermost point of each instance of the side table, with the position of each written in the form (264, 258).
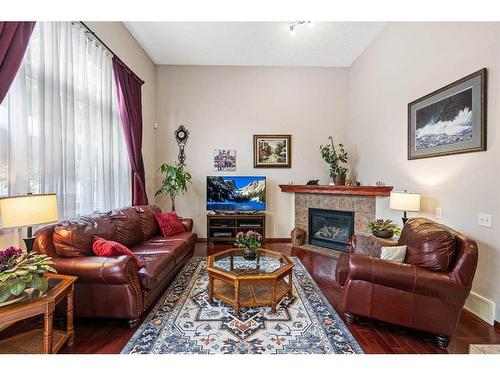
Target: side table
(47, 340)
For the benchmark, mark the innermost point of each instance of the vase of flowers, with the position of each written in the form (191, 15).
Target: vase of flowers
(20, 272)
(249, 242)
(383, 228)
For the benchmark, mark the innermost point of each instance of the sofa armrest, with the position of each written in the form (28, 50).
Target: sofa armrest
(99, 270)
(406, 277)
(188, 224)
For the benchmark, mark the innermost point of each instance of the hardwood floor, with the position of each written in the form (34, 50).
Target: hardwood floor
(110, 336)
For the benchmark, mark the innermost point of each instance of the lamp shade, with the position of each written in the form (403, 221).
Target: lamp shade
(28, 210)
(405, 201)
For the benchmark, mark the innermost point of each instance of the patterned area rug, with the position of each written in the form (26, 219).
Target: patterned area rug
(183, 321)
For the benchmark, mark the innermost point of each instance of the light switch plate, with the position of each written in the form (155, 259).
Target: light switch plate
(439, 213)
(484, 220)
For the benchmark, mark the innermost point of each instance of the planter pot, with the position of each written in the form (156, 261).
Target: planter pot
(339, 180)
(250, 254)
(13, 299)
(383, 233)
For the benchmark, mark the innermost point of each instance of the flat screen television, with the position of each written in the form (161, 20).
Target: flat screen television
(236, 193)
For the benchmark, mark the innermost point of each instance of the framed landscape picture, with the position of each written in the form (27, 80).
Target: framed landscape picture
(451, 120)
(272, 151)
(224, 160)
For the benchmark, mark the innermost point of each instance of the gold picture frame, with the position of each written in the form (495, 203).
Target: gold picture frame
(272, 151)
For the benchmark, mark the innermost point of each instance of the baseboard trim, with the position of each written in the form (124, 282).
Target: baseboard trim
(481, 307)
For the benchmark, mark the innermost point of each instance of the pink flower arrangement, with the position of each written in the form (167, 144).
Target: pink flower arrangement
(248, 240)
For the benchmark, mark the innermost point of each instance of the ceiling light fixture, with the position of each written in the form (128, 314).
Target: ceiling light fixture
(293, 26)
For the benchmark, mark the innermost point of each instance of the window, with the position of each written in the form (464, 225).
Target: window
(59, 125)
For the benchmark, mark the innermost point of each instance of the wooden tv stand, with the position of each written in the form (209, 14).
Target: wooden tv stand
(223, 227)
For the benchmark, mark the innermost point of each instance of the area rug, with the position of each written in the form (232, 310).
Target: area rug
(184, 322)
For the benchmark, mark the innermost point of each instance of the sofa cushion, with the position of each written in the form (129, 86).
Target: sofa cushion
(73, 238)
(147, 220)
(429, 244)
(169, 223)
(127, 226)
(108, 248)
(161, 245)
(157, 267)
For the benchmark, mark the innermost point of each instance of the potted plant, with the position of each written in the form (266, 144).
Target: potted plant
(174, 183)
(334, 158)
(383, 228)
(20, 272)
(250, 242)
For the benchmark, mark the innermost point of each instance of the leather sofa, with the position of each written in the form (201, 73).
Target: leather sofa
(114, 287)
(426, 292)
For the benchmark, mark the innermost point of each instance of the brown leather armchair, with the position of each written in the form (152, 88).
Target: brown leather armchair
(426, 292)
(113, 287)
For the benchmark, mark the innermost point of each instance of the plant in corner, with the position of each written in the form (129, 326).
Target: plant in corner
(20, 271)
(334, 158)
(174, 183)
(250, 242)
(383, 228)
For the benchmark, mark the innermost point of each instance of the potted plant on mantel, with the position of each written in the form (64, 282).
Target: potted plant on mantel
(21, 274)
(174, 183)
(334, 158)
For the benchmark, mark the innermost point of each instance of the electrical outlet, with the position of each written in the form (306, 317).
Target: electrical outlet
(439, 213)
(484, 220)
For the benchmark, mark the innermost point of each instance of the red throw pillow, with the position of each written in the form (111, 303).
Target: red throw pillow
(169, 223)
(107, 248)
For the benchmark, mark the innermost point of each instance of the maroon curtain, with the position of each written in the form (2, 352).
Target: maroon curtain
(129, 99)
(14, 39)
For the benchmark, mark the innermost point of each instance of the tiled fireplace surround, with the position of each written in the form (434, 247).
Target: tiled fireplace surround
(362, 206)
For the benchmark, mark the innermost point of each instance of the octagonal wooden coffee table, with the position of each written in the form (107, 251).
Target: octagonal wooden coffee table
(249, 283)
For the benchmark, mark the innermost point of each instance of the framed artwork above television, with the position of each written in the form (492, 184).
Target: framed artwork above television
(451, 120)
(272, 151)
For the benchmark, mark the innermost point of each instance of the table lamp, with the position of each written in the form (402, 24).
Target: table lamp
(405, 201)
(28, 210)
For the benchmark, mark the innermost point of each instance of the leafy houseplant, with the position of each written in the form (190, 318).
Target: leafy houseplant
(250, 242)
(334, 158)
(20, 271)
(383, 228)
(174, 183)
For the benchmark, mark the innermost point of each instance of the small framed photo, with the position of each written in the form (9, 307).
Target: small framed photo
(224, 160)
(272, 151)
(451, 120)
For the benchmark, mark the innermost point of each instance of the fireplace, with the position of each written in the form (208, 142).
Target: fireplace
(331, 228)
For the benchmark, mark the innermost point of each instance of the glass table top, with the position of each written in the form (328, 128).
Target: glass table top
(234, 263)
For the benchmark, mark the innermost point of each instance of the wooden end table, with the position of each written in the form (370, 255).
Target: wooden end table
(249, 283)
(47, 340)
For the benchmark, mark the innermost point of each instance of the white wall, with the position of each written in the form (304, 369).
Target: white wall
(223, 107)
(405, 62)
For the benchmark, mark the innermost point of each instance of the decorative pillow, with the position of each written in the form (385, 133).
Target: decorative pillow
(169, 223)
(106, 248)
(393, 253)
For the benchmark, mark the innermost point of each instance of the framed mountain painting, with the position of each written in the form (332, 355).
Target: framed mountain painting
(451, 120)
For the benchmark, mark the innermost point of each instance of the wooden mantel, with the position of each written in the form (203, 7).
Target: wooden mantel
(381, 191)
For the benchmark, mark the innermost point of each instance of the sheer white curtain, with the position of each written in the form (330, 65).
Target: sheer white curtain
(59, 125)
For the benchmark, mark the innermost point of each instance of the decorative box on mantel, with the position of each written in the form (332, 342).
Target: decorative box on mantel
(357, 199)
